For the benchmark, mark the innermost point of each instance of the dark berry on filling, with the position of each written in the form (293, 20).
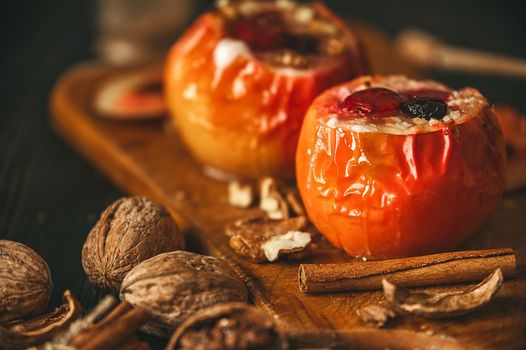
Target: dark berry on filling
(439, 94)
(424, 107)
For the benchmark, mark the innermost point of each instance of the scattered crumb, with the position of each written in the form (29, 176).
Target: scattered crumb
(271, 200)
(240, 195)
(375, 315)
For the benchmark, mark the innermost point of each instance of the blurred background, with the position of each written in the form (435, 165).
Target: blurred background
(50, 197)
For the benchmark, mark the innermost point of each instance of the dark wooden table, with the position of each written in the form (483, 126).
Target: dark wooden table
(50, 197)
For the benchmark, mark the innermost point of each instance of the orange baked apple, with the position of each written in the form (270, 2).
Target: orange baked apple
(240, 80)
(390, 167)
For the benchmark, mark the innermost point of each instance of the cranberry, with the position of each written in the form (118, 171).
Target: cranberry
(424, 107)
(262, 31)
(432, 93)
(374, 102)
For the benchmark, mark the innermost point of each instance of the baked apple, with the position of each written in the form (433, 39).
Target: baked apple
(390, 167)
(240, 80)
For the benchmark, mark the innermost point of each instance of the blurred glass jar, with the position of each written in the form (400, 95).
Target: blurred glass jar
(139, 31)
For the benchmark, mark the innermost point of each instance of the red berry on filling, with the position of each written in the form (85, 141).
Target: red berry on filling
(262, 31)
(374, 102)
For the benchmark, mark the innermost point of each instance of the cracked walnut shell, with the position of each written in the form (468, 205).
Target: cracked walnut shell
(228, 326)
(21, 334)
(129, 231)
(25, 282)
(172, 286)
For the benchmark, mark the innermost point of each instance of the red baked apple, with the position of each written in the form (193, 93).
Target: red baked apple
(389, 166)
(240, 80)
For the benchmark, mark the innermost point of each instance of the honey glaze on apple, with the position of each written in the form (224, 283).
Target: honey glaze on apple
(240, 79)
(382, 179)
(289, 37)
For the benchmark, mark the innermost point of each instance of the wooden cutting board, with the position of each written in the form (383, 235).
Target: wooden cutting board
(143, 159)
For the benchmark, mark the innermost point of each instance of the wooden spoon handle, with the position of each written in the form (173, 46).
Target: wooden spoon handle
(423, 49)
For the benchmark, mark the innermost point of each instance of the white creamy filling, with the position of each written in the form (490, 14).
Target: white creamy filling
(227, 50)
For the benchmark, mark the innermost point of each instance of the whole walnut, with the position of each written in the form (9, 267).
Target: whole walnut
(129, 231)
(25, 281)
(173, 286)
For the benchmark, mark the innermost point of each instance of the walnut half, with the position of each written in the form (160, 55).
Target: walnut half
(264, 239)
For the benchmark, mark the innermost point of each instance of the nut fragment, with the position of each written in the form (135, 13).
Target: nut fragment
(375, 315)
(25, 281)
(444, 304)
(21, 334)
(263, 239)
(228, 326)
(240, 195)
(131, 95)
(271, 200)
(172, 286)
(289, 242)
(129, 231)
(289, 58)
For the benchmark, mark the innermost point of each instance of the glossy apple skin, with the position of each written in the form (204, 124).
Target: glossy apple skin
(246, 119)
(379, 195)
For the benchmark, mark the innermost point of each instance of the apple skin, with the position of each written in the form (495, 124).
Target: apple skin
(379, 195)
(245, 120)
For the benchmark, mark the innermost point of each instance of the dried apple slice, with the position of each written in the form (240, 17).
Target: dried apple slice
(389, 166)
(240, 79)
(131, 95)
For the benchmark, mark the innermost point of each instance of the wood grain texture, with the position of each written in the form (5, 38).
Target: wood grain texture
(142, 158)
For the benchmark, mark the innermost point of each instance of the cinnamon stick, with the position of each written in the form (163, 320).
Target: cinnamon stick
(427, 270)
(112, 331)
